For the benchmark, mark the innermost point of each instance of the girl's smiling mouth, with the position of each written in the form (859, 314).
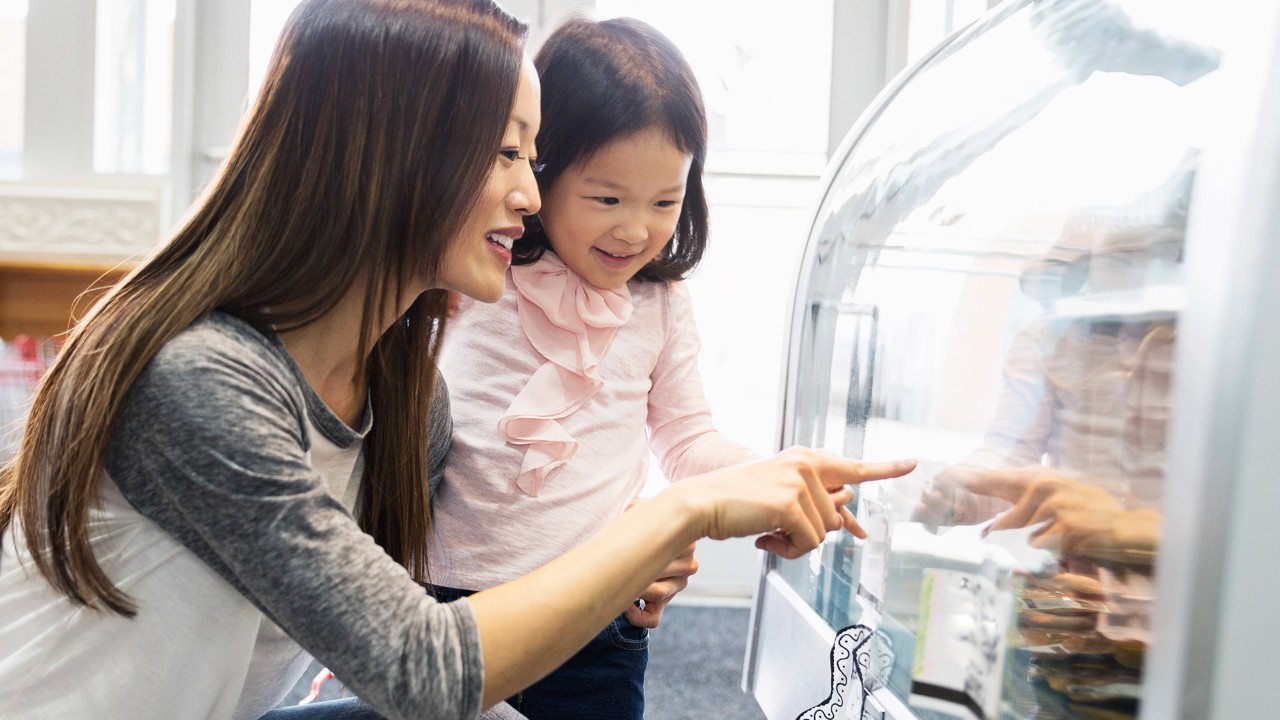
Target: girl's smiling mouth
(612, 261)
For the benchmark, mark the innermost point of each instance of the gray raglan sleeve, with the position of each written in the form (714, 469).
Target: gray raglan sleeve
(211, 447)
(440, 434)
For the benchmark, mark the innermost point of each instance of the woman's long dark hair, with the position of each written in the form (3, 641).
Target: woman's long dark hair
(360, 161)
(605, 81)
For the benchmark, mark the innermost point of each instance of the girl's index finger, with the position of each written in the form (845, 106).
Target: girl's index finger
(834, 471)
(864, 471)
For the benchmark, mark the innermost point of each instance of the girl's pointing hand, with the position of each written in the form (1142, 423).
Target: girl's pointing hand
(793, 499)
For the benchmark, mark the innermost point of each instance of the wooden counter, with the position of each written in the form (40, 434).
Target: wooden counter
(41, 297)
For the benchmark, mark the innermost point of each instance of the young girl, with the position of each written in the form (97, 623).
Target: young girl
(589, 361)
(228, 463)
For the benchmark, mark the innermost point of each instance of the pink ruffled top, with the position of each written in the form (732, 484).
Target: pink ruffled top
(571, 323)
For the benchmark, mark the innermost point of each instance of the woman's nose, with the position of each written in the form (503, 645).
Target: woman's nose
(524, 197)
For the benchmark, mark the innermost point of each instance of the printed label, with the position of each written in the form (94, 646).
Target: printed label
(964, 626)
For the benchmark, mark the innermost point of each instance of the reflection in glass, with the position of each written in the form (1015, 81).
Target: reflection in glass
(929, 23)
(992, 286)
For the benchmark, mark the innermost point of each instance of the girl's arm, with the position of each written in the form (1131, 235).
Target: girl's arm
(530, 626)
(681, 433)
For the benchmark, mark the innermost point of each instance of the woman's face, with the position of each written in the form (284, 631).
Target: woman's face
(477, 261)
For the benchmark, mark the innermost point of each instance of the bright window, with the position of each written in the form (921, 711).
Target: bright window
(266, 20)
(133, 86)
(765, 76)
(932, 21)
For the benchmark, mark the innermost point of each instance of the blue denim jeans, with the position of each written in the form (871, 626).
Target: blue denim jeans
(344, 709)
(604, 681)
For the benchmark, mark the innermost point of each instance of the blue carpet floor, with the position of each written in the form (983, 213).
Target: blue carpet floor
(695, 667)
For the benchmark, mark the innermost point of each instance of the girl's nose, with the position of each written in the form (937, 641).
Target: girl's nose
(631, 231)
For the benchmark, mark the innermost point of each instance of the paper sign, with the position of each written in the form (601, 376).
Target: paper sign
(960, 650)
(874, 573)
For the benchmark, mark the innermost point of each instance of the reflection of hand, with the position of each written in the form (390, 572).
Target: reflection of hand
(1130, 538)
(674, 579)
(1081, 520)
(795, 497)
(947, 501)
(1040, 494)
(937, 504)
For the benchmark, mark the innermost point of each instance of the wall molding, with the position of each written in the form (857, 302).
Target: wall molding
(80, 223)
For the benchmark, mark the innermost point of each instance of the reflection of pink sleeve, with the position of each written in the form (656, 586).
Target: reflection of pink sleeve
(681, 433)
(1018, 434)
(1019, 431)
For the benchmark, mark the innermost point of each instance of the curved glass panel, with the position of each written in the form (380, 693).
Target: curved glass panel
(992, 286)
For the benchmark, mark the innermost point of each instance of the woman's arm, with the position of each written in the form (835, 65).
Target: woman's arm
(212, 447)
(530, 626)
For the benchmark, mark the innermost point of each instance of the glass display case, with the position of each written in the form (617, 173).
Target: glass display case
(994, 284)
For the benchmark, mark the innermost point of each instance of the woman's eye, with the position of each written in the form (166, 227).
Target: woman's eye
(513, 154)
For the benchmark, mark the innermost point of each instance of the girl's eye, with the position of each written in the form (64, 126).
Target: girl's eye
(606, 200)
(667, 203)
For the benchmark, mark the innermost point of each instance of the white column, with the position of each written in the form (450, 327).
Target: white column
(214, 47)
(868, 48)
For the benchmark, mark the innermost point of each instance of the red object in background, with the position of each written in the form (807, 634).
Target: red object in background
(21, 367)
(28, 347)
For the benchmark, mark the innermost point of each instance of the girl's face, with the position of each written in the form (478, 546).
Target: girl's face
(608, 216)
(476, 262)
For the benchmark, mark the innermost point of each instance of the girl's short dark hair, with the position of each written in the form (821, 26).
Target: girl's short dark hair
(603, 81)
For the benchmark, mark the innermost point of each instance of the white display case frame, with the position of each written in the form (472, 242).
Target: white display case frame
(1212, 655)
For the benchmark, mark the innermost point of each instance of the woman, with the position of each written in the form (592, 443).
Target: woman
(250, 506)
